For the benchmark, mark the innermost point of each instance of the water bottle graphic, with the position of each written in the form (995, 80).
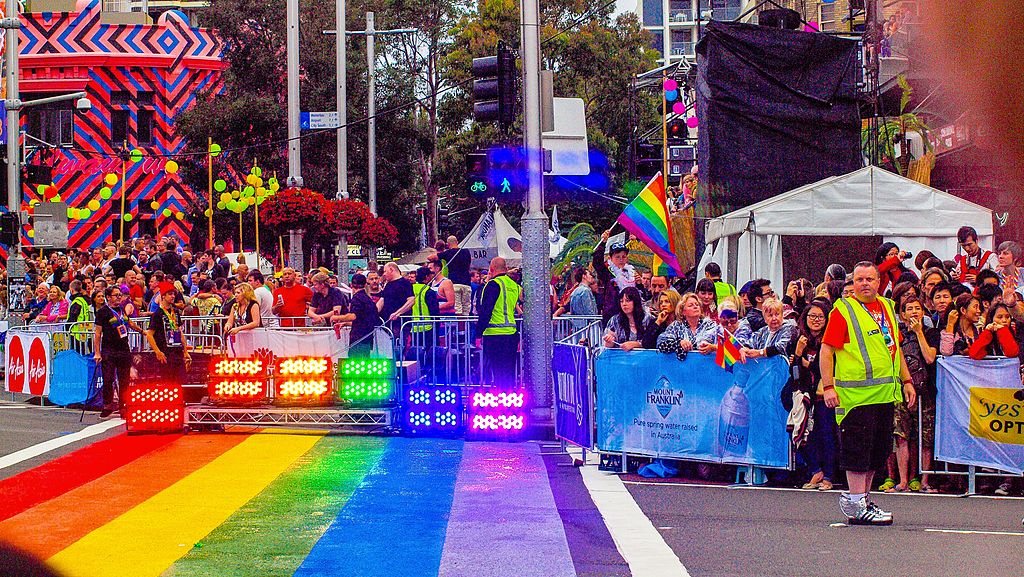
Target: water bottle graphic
(734, 422)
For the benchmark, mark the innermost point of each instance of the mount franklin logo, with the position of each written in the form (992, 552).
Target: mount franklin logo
(664, 398)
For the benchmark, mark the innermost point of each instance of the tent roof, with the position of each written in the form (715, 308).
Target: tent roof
(866, 202)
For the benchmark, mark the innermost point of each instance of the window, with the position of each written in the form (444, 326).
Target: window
(144, 136)
(659, 41)
(654, 13)
(725, 10)
(120, 98)
(53, 124)
(119, 120)
(827, 17)
(145, 98)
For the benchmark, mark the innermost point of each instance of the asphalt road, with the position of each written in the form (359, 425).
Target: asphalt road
(23, 425)
(723, 532)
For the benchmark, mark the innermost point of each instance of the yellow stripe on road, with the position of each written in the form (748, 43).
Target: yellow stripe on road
(146, 540)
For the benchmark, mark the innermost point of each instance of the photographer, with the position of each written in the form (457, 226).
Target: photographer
(889, 260)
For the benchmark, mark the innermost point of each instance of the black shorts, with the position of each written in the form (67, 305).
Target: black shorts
(865, 438)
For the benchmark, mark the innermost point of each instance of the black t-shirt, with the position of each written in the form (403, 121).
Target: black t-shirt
(120, 266)
(322, 304)
(458, 260)
(160, 327)
(366, 315)
(111, 340)
(395, 294)
(922, 372)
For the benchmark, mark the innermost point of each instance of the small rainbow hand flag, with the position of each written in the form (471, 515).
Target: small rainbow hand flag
(728, 351)
(647, 218)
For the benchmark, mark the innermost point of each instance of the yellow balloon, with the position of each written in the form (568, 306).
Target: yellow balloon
(250, 179)
(208, 213)
(31, 233)
(171, 167)
(33, 202)
(225, 196)
(110, 179)
(94, 204)
(155, 205)
(235, 194)
(179, 215)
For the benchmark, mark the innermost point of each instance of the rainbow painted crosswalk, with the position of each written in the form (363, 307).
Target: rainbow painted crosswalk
(279, 503)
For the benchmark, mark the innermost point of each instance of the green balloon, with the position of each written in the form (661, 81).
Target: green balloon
(127, 216)
(258, 171)
(135, 155)
(84, 214)
(248, 191)
(232, 205)
(219, 185)
(221, 205)
(106, 193)
(167, 212)
(214, 149)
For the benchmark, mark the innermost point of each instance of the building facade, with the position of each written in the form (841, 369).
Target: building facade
(139, 75)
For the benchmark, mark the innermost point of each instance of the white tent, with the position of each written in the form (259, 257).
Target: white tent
(867, 202)
(493, 235)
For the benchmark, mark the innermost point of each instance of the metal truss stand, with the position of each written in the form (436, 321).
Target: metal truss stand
(356, 420)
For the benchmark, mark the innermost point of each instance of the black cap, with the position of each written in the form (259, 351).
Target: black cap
(358, 280)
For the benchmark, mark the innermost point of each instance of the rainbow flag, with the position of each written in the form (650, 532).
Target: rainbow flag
(647, 218)
(728, 351)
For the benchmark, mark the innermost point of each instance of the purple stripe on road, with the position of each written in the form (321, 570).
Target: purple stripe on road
(504, 520)
(593, 551)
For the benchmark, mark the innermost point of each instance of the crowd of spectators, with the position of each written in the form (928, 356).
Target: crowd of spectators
(971, 305)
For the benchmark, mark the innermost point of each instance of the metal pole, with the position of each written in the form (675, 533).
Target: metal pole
(664, 127)
(342, 81)
(371, 113)
(209, 184)
(536, 257)
(12, 104)
(124, 188)
(294, 154)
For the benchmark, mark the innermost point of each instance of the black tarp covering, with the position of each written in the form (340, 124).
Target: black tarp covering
(777, 110)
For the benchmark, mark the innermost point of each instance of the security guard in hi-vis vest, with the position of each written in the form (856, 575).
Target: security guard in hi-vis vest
(497, 325)
(864, 374)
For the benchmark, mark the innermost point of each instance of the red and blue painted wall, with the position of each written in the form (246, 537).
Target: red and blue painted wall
(139, 77)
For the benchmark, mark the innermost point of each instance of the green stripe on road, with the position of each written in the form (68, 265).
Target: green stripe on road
(271, 535)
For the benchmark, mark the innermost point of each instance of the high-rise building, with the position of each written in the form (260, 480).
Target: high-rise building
(676, 24)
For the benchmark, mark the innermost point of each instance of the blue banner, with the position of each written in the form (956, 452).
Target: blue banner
(978, 420)
(651, 403)
(569, 365)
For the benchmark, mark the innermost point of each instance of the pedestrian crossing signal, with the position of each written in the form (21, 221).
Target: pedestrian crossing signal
(10, 228)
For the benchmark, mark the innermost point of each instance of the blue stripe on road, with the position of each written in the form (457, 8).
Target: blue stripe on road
(394, 523)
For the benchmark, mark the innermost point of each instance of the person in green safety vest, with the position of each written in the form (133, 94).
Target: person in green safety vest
(423, 307)
(863, 375)
(496, 325)
(79, 313)
(713, 272)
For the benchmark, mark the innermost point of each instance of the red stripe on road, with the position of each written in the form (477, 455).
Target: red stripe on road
(50, 527)
(75, 469)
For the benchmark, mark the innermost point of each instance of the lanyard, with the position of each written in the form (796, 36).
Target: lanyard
(883, 325)
(117, 314)
(170, 319)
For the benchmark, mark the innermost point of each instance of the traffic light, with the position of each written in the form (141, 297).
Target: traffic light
(677, 129)
(494, 87)
(442, 218)
(10, 228)
(478, 182)
(499, 172)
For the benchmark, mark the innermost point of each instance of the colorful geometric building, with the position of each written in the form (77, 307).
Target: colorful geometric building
(139, 76)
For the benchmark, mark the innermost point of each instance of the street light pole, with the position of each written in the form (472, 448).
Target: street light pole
(536, 251)
(341, 59)
(292, 41)
(371, 102)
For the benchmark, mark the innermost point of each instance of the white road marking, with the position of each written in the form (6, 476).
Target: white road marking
(636, 538)
(969, 532)
(47, 446)
(837, 524)
(832, 492)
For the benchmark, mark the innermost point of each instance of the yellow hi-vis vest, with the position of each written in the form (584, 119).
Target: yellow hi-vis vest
(419, 308)
(79, 329)
(866, 374)
(503, 316)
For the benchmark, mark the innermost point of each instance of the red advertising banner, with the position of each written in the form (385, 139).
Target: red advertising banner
(28, 363)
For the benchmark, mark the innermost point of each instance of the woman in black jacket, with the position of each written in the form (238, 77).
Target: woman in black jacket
(820, 451)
